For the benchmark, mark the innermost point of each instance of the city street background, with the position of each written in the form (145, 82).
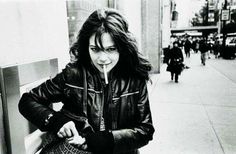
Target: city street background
(196, 115)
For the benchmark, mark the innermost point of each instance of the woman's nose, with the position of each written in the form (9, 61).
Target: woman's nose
(103, 57)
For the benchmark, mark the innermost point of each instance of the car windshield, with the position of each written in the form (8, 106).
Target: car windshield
(233, 40)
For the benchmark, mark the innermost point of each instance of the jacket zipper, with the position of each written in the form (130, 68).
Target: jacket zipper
(107, 88)
(101, 110)
(102, 102)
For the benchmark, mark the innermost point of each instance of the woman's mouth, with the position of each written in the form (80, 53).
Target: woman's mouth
(101, 65)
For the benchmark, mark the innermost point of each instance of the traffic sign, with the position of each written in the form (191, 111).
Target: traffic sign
(211, 17)
(225, 14)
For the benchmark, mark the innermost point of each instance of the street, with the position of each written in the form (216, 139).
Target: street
(198, 114)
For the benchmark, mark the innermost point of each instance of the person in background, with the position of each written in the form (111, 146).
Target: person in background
(210, 48)
(216, 48)
(195, 45)
(203, 48)
(175, 62)
(187, 47)
(116, 118)
(166, 52)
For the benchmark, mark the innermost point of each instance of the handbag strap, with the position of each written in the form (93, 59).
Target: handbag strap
(85, 92)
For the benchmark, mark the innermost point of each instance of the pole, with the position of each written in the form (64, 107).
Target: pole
(205, 22)
(207, 12)
(223, 28)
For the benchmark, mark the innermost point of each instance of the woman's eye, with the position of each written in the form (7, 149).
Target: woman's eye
(111, 49)
(94, 49)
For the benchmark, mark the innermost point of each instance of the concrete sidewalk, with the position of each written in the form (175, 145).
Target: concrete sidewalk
(198, 114)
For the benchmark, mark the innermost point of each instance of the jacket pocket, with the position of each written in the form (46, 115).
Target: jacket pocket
(124, 107)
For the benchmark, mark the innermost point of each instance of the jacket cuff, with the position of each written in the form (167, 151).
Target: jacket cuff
(55, 121)
(100, 142)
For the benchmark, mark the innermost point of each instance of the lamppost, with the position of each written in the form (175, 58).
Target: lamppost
(207, 12)
(205, 19)
(223, 27)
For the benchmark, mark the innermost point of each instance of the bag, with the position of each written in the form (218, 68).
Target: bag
(168, 68)
(54, 145)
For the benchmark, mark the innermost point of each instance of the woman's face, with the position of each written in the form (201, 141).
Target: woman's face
(107, 57)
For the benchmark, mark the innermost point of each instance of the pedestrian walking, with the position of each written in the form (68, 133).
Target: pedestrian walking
(104, 93)
(203, 48)
(195, 45)
(175, 62)
(210, 48)
(217, 48)
(187, 47)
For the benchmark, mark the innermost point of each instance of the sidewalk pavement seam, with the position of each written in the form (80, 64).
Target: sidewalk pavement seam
(222, 73)
(211, 123)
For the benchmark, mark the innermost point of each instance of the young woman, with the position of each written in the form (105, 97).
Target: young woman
(116, 116)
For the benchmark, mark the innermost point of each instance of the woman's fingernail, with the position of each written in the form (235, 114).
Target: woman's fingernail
(69, 139)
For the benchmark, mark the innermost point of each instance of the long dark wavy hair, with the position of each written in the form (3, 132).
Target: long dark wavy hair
(131, 63)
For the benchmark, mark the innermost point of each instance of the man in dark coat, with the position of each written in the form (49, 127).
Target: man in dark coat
(203, 48)
(175, 62)
(187, 47)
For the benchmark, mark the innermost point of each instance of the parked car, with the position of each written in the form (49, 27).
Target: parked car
(232, 42)
(230, 50)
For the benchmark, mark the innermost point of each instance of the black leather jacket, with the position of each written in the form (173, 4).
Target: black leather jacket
(124, 105)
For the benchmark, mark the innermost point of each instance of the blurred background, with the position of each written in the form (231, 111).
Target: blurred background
(36, 35)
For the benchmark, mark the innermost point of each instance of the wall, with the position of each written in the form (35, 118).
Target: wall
(154, 33)
(33, 30)
(2, 135)
(166, 24)
(145, 22)
(132, 12)
(151, 32)
(78, 12)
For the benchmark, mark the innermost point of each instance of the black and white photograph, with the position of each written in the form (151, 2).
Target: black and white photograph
(118, 77)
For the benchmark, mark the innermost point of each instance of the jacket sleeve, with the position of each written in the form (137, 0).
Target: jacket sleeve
(181, 55)
(133, 138)
(34, 105)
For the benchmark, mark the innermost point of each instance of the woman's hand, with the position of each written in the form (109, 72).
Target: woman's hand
(69, 131)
